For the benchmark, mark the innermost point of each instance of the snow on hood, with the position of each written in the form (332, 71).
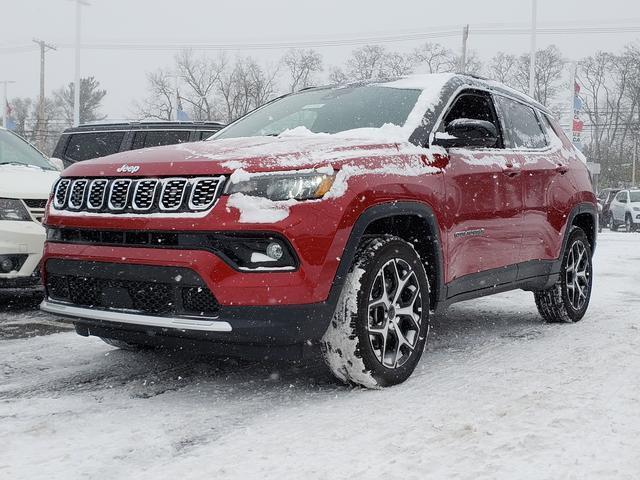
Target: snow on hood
(24, 181)
(291, 151)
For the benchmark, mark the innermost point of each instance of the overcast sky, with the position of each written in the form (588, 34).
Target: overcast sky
(122, 71)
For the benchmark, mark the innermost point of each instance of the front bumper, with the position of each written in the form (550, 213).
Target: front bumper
(22, 238)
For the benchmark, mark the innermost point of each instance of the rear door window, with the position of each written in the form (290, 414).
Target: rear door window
(521, 124)
(157, 138)
(84, 146)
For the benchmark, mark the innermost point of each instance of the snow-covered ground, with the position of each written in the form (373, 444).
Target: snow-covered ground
(498, 394)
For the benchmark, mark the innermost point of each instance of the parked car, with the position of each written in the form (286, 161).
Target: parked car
(101, 139)
(605, 197)
(337, 217)
(625, 210)
(26, 179)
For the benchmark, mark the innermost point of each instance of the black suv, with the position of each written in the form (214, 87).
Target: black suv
(101, 139)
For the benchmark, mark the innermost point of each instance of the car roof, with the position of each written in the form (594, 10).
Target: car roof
(151, 125)
(452, 84)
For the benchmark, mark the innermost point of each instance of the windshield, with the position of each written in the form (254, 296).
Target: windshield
(634, 196)
(330, 110)
(15, 151)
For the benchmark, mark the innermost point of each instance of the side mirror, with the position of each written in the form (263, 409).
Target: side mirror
(466, 132)
(57, 163)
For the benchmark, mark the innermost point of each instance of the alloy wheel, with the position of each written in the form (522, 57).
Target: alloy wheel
(394, 313)
(578, 272)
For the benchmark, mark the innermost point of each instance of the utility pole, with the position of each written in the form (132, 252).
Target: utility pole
(635, 161)
(76, 82)
(4, 101)
(44, 48)
(463, 58)
(532, 66)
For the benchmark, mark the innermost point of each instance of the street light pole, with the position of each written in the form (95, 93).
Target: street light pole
(532, 66)
(76, 82)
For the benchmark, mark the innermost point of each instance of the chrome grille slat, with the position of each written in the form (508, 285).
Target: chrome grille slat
(76, 197)
(173, 192)
(119, 194)
(204, 193)
(138, 195)
(97, 193)
(144, 194)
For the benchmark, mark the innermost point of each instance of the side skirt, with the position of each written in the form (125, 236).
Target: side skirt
(531, 276)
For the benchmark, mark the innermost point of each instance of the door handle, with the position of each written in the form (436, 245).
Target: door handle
(511, 170)
(562, 169)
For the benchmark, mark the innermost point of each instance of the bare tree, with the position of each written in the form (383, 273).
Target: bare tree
(160, 103)
(201, 75)
(549, 68)
(302, 65)
(502, 68)
(434, 58)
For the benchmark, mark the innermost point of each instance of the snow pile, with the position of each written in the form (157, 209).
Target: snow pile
(259, 209)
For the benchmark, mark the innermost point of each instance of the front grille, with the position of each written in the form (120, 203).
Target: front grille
(119, 194)
(143, 296)
(61, 192)
(35, 204)
(173, 194)
(198, 300)
(76, 199)
(97, 192)
(145, 195)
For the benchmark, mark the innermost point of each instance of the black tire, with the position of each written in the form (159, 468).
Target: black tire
(613, 226)
(567, 301)
(628, 223)
(374, 341)
(122, 345)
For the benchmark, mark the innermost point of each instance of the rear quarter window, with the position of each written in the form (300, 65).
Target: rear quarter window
(521, 124)
(85, 146)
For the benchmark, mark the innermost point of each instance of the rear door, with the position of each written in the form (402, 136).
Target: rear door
(532, 142)
(483, 202)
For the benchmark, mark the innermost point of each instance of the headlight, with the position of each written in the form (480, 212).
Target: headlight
(296, 186)
(13, 209)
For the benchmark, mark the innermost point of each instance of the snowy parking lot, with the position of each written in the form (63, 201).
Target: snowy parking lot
(499, 394)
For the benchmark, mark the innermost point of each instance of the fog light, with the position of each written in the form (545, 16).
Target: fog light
(275, 251)
(6, 265)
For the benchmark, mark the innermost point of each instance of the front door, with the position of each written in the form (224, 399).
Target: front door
(483, 190)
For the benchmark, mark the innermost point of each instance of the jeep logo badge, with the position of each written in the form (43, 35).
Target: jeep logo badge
(128, 168)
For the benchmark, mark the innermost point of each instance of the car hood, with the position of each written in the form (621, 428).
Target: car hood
(253, 154)
(28, 182)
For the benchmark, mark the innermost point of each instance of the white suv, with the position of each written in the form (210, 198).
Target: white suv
(26, 178)
(625, 210)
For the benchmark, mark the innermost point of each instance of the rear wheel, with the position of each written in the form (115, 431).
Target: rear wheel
(628, 224)
(567, 301)
(613, 226)
(380, 326)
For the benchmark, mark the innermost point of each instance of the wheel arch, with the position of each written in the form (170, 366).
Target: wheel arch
(585, 216)
(414, 222)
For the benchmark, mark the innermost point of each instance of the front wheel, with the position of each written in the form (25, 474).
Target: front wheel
(379, 330)
(567, 301)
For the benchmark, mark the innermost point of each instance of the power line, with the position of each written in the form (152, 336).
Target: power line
(447, 32)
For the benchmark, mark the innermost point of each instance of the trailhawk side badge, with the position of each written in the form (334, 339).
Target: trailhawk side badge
(128, 168)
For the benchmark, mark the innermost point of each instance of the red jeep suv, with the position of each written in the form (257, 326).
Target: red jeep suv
(339, 217)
